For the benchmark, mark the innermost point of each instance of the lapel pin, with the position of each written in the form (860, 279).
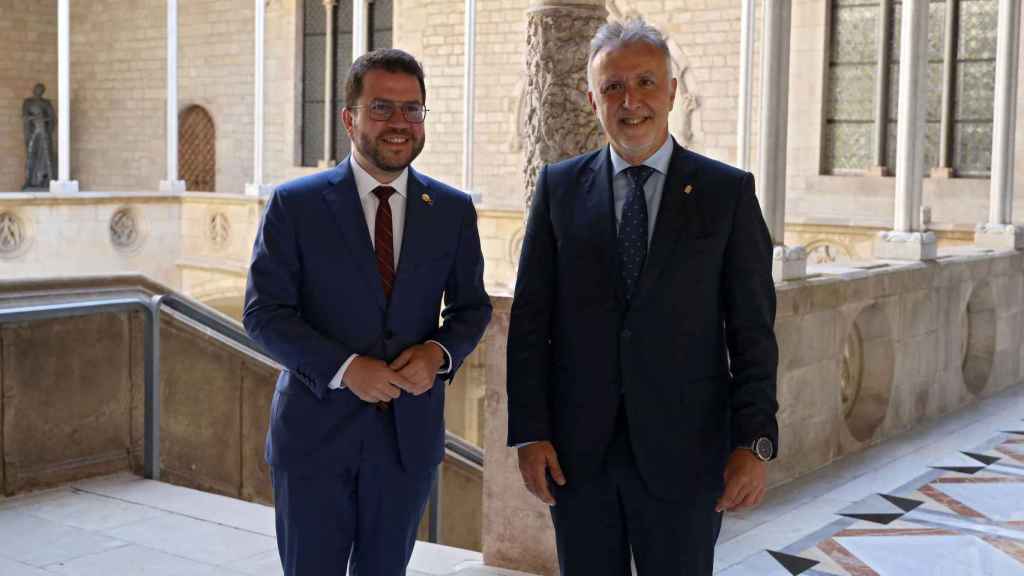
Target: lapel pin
(427, 199)
(688, 189)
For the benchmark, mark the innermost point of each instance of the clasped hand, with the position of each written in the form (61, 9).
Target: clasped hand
(414, 371)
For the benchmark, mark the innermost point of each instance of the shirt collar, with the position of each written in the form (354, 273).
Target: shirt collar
(659, 160)
(365, 183)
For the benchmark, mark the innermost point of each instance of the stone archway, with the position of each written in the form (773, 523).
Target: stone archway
(197, 150)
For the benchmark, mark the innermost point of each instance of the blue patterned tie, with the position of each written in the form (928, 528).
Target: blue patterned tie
(633, 228)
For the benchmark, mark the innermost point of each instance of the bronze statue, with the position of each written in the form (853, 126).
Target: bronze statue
(40, 161)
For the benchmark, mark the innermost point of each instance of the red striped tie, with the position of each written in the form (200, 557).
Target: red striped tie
(384, 239)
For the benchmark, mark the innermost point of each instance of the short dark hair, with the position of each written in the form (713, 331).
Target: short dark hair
(390, 59)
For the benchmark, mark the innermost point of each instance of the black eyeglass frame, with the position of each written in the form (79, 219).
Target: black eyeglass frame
(405, 107)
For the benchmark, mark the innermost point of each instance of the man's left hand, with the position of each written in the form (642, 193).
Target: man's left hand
(744, 481)
(419, 364)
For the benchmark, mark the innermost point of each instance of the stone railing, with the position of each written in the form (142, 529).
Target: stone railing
(72, 404)
(865, 354)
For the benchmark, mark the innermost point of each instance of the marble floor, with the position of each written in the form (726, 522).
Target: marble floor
(946, 498)
(124, 525)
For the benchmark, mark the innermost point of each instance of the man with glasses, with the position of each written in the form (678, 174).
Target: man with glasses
(345, 289)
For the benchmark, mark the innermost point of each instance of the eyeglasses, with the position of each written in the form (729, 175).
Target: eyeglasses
(383, 110)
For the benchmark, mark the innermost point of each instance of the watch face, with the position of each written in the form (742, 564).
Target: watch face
(763, 448)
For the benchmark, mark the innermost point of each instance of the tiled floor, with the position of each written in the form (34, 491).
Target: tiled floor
(944, 499)
(125, 526)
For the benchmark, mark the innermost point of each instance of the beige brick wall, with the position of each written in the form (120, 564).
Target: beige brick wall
(117, 94)
(433, 30)
(216, 62)
(28, 54)
(118, 74)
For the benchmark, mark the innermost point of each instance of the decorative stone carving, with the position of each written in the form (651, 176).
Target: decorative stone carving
(219, 230)
(560, 123)
(124, 230)
(851, 371)
(12, 233)
(827, 252)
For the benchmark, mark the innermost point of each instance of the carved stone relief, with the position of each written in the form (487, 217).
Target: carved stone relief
(559, 121)
(124, 229)
(12, 234)
(852, 368)
(219, 230)
(827, 252)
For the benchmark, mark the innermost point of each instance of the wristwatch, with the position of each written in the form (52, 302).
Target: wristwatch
(763, 448)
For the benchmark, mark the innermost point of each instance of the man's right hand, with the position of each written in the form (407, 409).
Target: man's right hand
(372, 380)
(535, 460)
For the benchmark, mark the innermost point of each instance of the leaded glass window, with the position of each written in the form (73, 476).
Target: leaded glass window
(850, 123)
(313, 58)
(851, 80)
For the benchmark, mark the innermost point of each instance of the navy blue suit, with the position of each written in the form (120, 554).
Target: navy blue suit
(643, 398)
(348, 476)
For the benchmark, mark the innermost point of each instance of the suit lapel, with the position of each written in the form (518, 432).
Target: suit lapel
(416, 237)
(343, 200)
(678, 219)
(599, 217)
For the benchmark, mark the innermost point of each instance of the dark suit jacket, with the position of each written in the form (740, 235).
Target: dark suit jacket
(314, 297)
(693, 356)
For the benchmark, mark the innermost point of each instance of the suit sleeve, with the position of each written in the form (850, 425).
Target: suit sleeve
(467, 307)
(530, 325)
(749, 298)
(273, 313)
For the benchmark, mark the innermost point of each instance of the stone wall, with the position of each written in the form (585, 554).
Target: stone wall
(28, 42)
(214, 406)
(865, 354)
(90, 233)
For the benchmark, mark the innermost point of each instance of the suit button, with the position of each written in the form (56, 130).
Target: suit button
(626, 334)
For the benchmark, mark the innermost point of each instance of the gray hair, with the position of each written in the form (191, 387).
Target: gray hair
(620, 33)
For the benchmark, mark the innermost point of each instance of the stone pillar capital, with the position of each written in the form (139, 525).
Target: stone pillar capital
(330, 3)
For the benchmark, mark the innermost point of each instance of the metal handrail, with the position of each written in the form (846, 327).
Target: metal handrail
(221, 325)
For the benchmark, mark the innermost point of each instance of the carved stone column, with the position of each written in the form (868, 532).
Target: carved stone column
(559, 121)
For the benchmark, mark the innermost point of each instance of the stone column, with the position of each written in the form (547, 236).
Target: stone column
(517, 530)
(788, 262)
(745, 97)
(945, 167)
(907, 240)
(256, 187)
(560, 122)
(328, 159)
(881, 89)
(999, 232)
(172, 184)
(360, 28)
(469, 97)
(64, 184)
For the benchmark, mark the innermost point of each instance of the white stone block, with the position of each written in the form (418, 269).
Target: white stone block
(172, 186)
(892, 245)
(999, 237)
(64, 186)
(789, 263)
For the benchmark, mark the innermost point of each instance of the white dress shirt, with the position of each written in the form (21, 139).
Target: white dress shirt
(365, 185)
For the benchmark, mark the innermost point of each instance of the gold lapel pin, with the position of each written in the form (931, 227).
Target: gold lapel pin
(688, 189)
(427, 199)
